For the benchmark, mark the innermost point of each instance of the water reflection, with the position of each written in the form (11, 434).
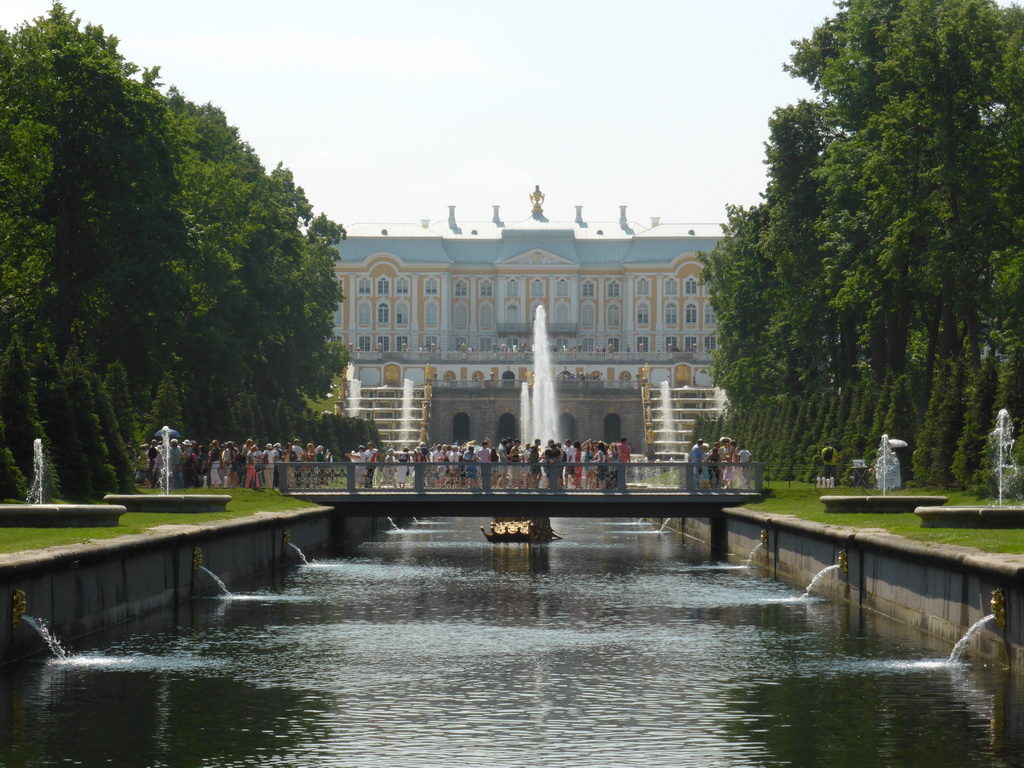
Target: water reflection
(431, 647)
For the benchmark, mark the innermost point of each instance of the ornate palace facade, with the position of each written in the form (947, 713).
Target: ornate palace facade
(455, 300)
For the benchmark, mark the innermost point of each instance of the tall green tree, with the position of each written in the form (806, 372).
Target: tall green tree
(18, 406)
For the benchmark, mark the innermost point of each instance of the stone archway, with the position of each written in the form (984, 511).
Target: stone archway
(612, 428)
(566, 427)
(461, 431)
(508, 426)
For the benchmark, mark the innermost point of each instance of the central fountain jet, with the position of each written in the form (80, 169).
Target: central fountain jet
(539, 404)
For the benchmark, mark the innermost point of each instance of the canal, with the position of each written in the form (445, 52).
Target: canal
(617, 646)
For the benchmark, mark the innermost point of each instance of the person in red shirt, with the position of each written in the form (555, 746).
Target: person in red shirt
(624, 450)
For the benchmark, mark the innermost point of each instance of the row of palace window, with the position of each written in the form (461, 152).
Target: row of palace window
(588, 315)
(381, 343)
(537, 287)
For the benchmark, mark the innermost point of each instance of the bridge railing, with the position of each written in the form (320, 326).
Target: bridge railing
(430, 477)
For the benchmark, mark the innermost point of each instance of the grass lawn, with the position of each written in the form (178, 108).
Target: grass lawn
(243, 502)
(801, 500)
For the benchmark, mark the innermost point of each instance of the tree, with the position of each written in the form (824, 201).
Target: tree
(166, 409)
(18, 407)
(88, 193)
(12, 481)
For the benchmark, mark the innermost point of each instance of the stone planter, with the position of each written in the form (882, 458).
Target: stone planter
(175, 503)
(971, 517)
(879, 505)
(60, 515)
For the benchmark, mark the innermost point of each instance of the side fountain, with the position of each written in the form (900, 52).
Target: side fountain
(408, 427)
(1006, 475)
(165, 501)
(40, 513)
(887, 471)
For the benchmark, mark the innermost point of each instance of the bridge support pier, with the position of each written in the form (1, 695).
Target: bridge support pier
(719, 536)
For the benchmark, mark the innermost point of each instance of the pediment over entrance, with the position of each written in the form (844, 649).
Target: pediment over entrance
(538, 256)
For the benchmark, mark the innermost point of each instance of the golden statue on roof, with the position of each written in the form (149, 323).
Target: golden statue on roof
(537, 198)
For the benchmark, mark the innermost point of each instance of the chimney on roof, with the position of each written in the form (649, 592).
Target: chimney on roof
(579, 214)
(655, 221)
(622, 215)
(451, 217)
(425, 223)
(497, 217)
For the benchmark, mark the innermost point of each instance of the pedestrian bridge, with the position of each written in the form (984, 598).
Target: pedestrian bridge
(643, 489)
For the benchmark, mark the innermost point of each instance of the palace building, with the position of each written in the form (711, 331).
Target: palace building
(453, 301)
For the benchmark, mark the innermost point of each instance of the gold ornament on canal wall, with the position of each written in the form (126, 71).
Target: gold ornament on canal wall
(197, 559)
(764, 538)
(286, 538)
(843, 564)
(18, 607)
(998, 605)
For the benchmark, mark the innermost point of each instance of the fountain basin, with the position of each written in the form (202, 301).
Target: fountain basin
(880, 505)
(60, 515)
(971, 517)
(176, 503)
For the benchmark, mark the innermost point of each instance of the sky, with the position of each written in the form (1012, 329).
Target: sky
(393, 110)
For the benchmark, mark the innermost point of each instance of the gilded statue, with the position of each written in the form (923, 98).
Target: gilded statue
(537, 198)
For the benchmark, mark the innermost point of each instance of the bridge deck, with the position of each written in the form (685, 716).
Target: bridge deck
(645, 489)
(467, 503)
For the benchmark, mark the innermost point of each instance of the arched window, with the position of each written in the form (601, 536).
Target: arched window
(690, 314)
(671, 314)
(486, 316)
(383, 286)
(643, 313)
(461, 288)
(512, 313)
(562, 313)
(710, 318)
(690, 286)
(363, 286)
(402, 286)
(614, 290)
(671, 287)
(430, 314)
(365, 313)
(486, 288)
(614, 316)
(430, 286)
(461, 317)
(562, 288)
(537, 287)
(587, 315)
(643, 286)
(383, 313)
(512, 287)
(588, 289)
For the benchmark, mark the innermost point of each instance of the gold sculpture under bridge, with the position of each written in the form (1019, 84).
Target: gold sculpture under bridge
(530, 530)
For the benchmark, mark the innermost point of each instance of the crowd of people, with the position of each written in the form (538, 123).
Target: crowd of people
(227, 465)
(512, 463)
(714, 465)
(592, 464)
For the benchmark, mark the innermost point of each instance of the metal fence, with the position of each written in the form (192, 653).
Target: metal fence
(611, 478)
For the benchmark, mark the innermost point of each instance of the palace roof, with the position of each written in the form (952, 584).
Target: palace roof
(578, 242)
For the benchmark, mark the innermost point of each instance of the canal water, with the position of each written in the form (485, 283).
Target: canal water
(617, 646)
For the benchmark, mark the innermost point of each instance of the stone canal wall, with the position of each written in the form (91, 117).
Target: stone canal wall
(941, 590)
(80, 588)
